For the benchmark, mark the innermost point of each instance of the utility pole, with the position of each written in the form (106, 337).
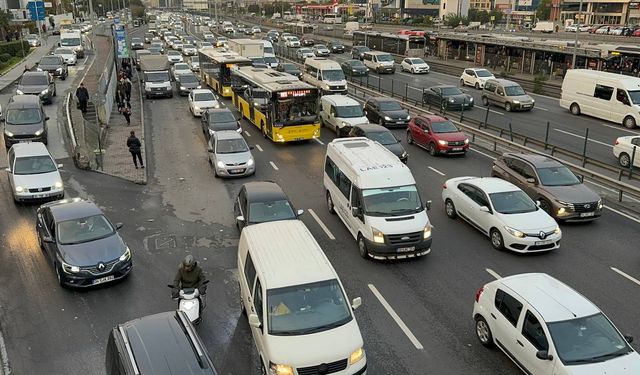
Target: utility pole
(575, 44)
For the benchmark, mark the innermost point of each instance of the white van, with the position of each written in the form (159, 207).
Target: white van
(376, 197)
(298, 311)
(325, 74)
(269, 56)
(340, 113)
(380, 62)
(607, 96)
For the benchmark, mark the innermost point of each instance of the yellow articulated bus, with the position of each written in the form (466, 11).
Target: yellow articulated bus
(216, 66)
(284, 108)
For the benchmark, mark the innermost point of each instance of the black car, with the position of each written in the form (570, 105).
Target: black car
(217, 119)
(191, 40)
(289, 68)
(307, 41)
(186, 83)
(137, 43)
(24, 121)
(335, 47)
(261, 202)
(148, 37)
(447, 97)
(273, 35)
(357, 52)
(55, 65)
(160, 343)
(354, 68)
(37, 83)
(81, 243)
(381, 135)
(386, 112)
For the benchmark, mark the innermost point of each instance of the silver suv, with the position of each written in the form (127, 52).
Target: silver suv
(507, 94)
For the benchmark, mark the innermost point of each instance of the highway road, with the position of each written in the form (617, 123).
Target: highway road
(185, 210)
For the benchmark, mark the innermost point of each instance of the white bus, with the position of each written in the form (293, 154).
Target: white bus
(288, 16)
(332, 18)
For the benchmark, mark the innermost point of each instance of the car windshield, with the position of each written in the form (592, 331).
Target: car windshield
(514, 91)
(635, 96)
(356, 63)
(136, 40)
(392, 201)
(349, 111)
(188, 78)
(203, 97)
(557, 176)
(63, 51)
(447, 91)
(512, 202)
(268, 49)
(320, 46)
(363, 49)
(308, 308)
(260, 212)
(588, 339)
(174, 53)
(383, 137)
(390, 105)
(257, 60)
(483, 73)
(181, 66)
(34, 165)
(222, 116)
(231, 146)
(332, 75)
(35, 79)
(67, 42)
(71, 232)
(305, 50)
(385, 58)
(444, 127)
(23, 116)
(417, 61)
(50, 60)
(195, 59)
(156, 76)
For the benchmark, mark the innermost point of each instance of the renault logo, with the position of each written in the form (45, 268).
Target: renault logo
(101, 267)
(542, 235)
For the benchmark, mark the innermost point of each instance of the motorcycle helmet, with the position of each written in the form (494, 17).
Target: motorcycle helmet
(189, 262)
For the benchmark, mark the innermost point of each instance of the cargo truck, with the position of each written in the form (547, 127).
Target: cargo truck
(155, 76)
(247, 47)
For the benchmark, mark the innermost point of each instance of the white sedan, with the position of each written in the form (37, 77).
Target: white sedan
(414, 65)
(180, 68)
(475, 77)
(174, 57)
(623, 150)
(202, 99)
(292, 42)
(189, 50)
(502, 211)
(67, 54)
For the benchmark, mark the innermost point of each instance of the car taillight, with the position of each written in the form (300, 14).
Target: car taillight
(444, 186)
(479, 293)
(616, 142)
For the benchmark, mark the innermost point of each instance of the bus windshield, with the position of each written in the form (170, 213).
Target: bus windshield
(296, 110)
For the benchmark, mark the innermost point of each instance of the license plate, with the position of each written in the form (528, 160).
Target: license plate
(406, 249)
(456, 149)
(546, 242)
(298, 139)
(526, 106)
(587, 214)
(103, 279)
(39, 195)
(236, 170)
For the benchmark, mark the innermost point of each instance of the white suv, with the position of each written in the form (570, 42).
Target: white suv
(475, 77)
(33, 174)
(546, 327)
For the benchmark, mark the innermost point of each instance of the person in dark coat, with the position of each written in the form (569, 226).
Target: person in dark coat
(83, 97)
(122, 92)
(135, 148)
(127, 88)
(190, 275)
(126, 112)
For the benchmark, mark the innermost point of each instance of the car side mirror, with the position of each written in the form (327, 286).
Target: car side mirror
(357, 302)
(46, 118)
(119, 226)
(355, 211)
(251, 147)
(240, 218)
(484, 209)
(209, 149)
(254, 321)
(531, 180)
(427, 205)
(629, 338)
(544, 355)
(300, 212)
(60, 166)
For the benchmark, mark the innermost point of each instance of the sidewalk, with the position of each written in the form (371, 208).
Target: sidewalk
(32, 58)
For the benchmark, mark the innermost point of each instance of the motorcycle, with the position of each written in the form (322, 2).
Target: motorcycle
(189, 300)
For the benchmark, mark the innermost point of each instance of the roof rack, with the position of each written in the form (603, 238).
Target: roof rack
(195, 344)
(129, 351)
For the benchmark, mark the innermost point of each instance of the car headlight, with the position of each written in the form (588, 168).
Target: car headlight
(387, 118)
(466, 141)
(250, 162)
(471, 100)
(59, 70)
(378, 237)
(426, 233)
(196, 108)
(353, 70)
(182, 88)
(220, 164)
(562, 211)
(515, 232)
(39, 69)
(19, 92)
(533, 100)
(276, 369)
(126, 255)
(557, 231)
(600, 205)
(451, 100)
(404, 154)
(516, 102)
(19, 189)
(442, 142)
(39, 131)
(408, 117)
(44, 92)
(58, 185)
(356, 356)
(199, 87)
(69, 268)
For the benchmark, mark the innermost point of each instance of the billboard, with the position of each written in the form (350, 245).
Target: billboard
(121, 44)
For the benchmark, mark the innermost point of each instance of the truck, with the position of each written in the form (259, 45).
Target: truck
(73, 40)
(156, 76)
(544, 26)
(247, 47)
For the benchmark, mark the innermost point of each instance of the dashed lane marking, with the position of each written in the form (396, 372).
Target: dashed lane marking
(482, 153)
(247, 133)
(628, 277)
(273, 165)
(259, 148)
(321, 224)
(544, 109)
(621, 129)
(493, 273)
(319, 141)
(437, 171)
(395, 317)
(582, 137)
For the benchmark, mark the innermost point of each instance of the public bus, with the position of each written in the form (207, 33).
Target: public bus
(216, 66)
(284, 108)
(332, 18)
(386, 42)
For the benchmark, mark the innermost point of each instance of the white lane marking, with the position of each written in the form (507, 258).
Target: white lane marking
(80, 68)
(610, 189)
(482, 153)
(544, 109)
(415, 88)
(273, 165)
(623, 214)
(437, 171)
(395, 317)
(582, 137)
(321, 224)
(259, 148)
(628, 277)
(621, 129)
(319, 141)
(496, 112)
(493, 273)
(247, 133)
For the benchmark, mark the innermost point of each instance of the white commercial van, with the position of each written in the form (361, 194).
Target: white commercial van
(380, 62)
(340, 113)
(298, 311)
(325, 74)
(607, 96)
(376, 197)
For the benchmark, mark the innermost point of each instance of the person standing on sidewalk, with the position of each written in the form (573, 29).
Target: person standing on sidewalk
(135, 148)
(83, 97)
(127, 89)
(126, 112)
(122, 92)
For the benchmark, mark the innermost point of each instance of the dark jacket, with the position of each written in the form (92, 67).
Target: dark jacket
(82, 94)
(189, 279)
(121, 89)
(127, 86)
(134, 144)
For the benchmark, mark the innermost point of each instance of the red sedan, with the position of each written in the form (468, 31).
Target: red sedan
(636, 32)
(437, 134)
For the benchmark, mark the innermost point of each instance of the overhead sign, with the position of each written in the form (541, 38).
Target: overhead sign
(525, 3)
(121, 44)
(48, 5)
(36, 10)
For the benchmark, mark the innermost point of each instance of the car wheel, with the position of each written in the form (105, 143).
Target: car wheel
(477, 86)
(409, 138)
(485, 101)
(58, 274)
(507, 107)
(575, 109)
(545, 206)
(496, 239)
(330, 206)
(461, 82)
(624, 160)
(63, 78)
(450, 209)
(483, 332)
(362, 247)
(629, 122)
(432, 149)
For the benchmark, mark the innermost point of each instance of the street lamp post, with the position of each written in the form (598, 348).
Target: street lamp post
(575, 44)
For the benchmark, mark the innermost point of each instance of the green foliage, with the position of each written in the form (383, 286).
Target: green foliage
(538, 81)
(453, 20)
(477, 15)
(7, 65)
(497, 14)
(5, 57)
(137, 11)
(14, 48)
(543, 12)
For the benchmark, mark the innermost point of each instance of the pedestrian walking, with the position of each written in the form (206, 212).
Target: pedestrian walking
(122, 92)
(135, 148)
(127, 88)
(83, 97)
(126, 112)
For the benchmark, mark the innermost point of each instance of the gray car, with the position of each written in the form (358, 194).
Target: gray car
(507, 94)
(55, 65)
(37, 83)
(230, 155)
(218, 119)
(381, 135)
(559, 192)
(24, 120)
(186, 83)
(137, 43)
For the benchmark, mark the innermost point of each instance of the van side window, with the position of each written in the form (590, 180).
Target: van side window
(500, 91)
(527, 171)
(344, 185)
(508, 306)
(249, 270)
(331, 170)
(489, 86)
(603, 92)
(332, 111)
(355, 196)
(621, 96)
(257, 300)
(532, 331)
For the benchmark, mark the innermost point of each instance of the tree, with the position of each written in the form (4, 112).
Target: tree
(476, 15)
(544, 10)
(497, 15)
(454, 20)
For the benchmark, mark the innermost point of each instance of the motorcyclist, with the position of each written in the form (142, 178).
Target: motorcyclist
(190, 275)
